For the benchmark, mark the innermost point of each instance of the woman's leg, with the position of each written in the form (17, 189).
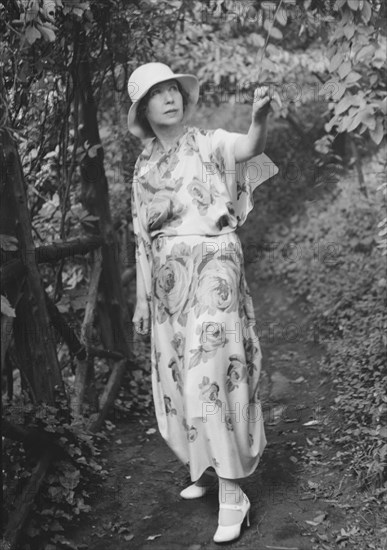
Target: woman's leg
(229, 493)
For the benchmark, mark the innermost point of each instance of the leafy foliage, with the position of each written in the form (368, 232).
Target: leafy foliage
(357, 53)
(338, 267)
(69, 484)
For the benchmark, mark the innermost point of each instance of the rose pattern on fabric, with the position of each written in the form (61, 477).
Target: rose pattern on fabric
(164, 207)
(236, 372)
(216, 158)
(156, 365)
(251, 351)
(167, 165)
(178, 343)
(227, 219)
(168, 405)
(248, 305)
(172, 284)
(212, 337)
(203, 196)
(192, 432)
(209, 391)
(217, 287)
(176, 374)
(191, 147)
(228, 421)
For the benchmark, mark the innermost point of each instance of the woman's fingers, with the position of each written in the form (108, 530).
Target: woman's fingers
(145, 325)
(141, 325)
(262, 92)
(140, 318)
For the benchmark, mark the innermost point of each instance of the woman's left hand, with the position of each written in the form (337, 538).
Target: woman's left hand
(261, 103)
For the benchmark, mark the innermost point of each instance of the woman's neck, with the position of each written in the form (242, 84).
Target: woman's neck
(168, 136)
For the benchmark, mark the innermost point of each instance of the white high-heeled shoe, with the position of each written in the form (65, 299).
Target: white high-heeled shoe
(198, 491)
(195, 491)
(226, 533)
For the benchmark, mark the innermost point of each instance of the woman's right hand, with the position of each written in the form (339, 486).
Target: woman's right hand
(141, 317)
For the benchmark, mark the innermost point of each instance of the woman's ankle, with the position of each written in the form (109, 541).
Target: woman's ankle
(229, 492)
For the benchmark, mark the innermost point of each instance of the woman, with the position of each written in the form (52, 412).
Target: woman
(188, 197)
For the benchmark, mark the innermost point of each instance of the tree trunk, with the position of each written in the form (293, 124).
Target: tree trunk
(96, 200)
(46, 371)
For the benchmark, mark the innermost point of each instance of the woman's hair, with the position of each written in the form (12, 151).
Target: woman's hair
(143, 104)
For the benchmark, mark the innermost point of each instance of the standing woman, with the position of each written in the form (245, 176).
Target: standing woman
(189, 195)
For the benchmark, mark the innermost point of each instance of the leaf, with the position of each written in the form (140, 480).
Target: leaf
(366, 11)
(48, 34)
(6, 308)
(353, 4)
(377, 134)
(153, 537)
(312, 423)
(92, 151)
(320, 518)
(343, 105)
(344, 69)
(355, 122)
(349, 31)
(298, 380)
(335, 62)
(32, 34)
(312, 484)
(352, 77)
(8, 242)
(276, 33)
(269, 6)
(368, 118)
(282, 17)
(367, 52)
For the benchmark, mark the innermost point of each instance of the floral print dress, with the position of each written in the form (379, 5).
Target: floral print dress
(206, 359)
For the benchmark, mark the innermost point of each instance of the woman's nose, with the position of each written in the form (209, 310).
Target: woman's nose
(168, 97)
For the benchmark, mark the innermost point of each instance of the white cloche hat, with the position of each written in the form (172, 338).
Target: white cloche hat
(142, 80)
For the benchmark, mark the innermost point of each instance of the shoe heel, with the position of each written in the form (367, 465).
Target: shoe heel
(248, 519)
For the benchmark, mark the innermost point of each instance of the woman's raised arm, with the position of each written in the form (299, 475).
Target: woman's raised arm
(254, 142)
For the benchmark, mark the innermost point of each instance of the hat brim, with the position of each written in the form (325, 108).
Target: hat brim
(190, 85)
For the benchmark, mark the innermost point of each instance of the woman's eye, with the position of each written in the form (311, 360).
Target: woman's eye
(174, 87)
(154, 92)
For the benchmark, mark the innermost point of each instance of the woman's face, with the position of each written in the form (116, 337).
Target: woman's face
(165, 104)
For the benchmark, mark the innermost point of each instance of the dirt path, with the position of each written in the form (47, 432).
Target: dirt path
(138, 506)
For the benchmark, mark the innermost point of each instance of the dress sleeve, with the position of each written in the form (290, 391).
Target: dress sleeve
(240, 178)
(141, 235)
